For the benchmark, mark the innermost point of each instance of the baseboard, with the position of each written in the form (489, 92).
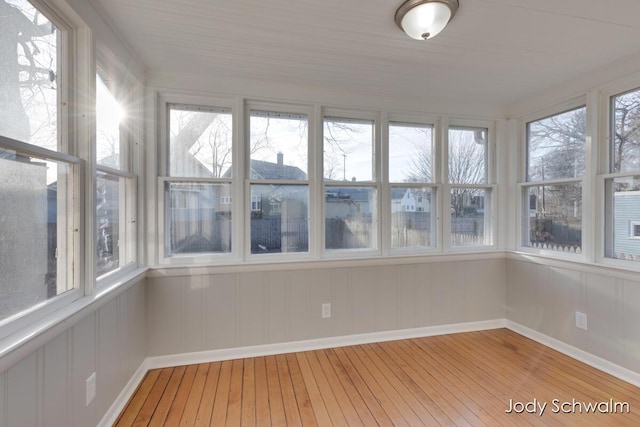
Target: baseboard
(581, 355)
(317, 344)
(118, 405)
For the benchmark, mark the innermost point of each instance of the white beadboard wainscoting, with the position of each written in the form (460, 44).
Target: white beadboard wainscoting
(544, 296)
(195, 313)
(48, 386)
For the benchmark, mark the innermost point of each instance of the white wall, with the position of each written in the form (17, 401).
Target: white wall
(545, 298)
(47, 387)
(268, 305)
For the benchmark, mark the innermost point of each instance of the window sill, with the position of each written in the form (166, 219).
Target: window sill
(611, 268)
(16, 346)
(289, 264)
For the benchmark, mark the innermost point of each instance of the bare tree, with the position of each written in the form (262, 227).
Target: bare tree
(27, 70)
(626, 129)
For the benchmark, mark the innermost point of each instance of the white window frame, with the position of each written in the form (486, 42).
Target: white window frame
(70, 53)
(633, 233)
(435, 185)
(523, 184)
(309, 111)
(604, 233)
(490, 230)
(375, 184)
(164, 102)
(107, 67)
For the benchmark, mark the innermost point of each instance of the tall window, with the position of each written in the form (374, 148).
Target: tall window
(470, 208)
(115, 184)
(279, 182)
(413, 199)
(200, 169)
(38, 177)
(350, 194)
(622, 187)
(552, 196)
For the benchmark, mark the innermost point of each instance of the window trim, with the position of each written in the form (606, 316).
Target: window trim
(522, 202)
(284, 108)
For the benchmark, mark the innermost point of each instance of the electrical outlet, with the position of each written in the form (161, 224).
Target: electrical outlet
(326, 310)
(91, 388)
(581, 320)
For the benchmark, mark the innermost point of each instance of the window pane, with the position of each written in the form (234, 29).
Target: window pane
(197, 221)
(279, 218)
(109, 114)
(34, 227)
(412, 224)
(556, 146)
(554, 217)
(470, 214)
(625, 154)
(467, 155)
(278, 145)
(349, 222)
(623, 213)
(410, 153)
(109, 227)
(348, 149)
(28, 75)
(199, 142)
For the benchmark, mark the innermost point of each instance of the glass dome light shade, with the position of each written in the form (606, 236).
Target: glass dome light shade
(424, 21)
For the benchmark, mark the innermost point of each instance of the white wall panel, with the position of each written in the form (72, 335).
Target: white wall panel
(48, 386)
(220, 313)
(280, 305)
(3, 401)
(545, 298)
(56, 387)
(631, 331)
(24, 396)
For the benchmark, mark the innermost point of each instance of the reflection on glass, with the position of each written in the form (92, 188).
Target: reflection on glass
(109, 114)
(278, 145)
(348, 149)
(200, 142)
(198, 219)
(625, 155)
(468, 155)
(108, 224)
(412, 225)
(410, 152)
(623, 238)
(556, 146)
(554, 217)
(349, 218)
(34, 225)
(279, 218)
(28, 75)
(470, 213)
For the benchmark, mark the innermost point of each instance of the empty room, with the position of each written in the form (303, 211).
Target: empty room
(365, 212)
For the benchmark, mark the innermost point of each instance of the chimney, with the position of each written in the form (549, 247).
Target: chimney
(353, 179)
(280, 158)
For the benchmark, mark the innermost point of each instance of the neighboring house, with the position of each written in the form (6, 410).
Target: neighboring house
(626, 233)
(410, 200)
(342, 202)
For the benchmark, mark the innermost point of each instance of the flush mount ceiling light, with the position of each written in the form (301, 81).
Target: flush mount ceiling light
(424, 19)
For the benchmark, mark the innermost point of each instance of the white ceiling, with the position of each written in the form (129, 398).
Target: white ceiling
(493, 51)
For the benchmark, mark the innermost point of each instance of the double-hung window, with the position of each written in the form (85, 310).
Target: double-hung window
(470, 190)
(622, 184)
(115, 182)
(39, 178)
(350, 189)
(552, 195)
(412, 188)
(278, 184)
(198, 198)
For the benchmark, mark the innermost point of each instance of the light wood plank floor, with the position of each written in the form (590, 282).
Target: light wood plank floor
(464, 379)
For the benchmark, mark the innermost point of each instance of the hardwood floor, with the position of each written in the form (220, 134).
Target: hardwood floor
(462, 379)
